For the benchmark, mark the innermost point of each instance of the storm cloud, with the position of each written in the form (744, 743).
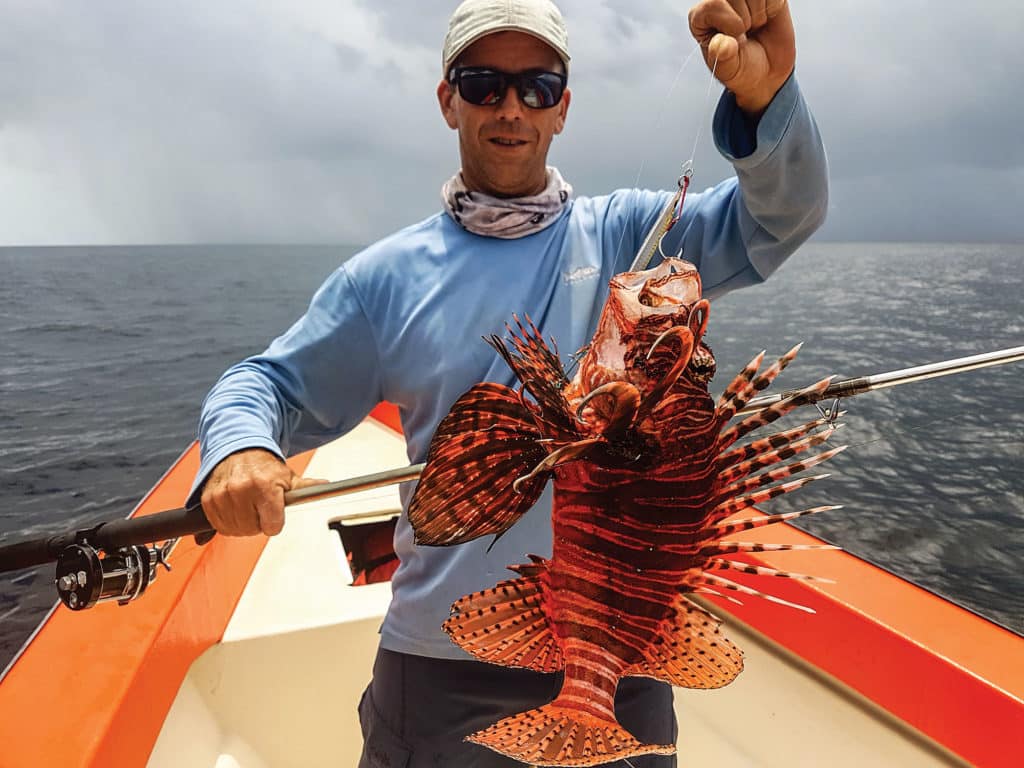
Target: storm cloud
(271, 121)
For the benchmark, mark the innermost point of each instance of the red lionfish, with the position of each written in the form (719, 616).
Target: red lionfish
(646, 473)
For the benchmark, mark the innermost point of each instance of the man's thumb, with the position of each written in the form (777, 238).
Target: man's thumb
(306, 482)
(723, 56)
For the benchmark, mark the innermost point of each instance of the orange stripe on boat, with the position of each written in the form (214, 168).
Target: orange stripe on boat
(952, 675)
(95, 686)
(388, 415)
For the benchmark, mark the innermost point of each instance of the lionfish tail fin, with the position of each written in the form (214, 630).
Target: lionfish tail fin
(506, 624)
(690, 652)
(555, 735)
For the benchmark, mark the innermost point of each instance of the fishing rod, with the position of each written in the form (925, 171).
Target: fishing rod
(129, 564)
(862, 384)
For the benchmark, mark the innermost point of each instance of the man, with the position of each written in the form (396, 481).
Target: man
(402, 321)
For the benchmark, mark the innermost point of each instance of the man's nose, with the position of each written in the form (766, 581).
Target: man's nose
(511, 107)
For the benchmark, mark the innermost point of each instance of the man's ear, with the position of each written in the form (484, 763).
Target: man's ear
(446, 98)
(563, 110)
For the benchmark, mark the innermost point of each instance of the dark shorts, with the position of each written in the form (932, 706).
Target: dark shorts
(417, 710)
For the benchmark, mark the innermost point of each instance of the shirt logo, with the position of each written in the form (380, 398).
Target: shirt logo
(579, 274)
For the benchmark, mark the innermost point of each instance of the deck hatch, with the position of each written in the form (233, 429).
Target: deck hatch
(369, 548)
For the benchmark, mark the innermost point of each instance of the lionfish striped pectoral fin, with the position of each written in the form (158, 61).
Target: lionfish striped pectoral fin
(710, 580)
(487, 441)
(735, 526)
(506, 624)
(748, 383)
(786, 444)
(691, 652)
(770, 414)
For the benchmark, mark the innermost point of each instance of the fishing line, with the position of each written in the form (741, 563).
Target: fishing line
(707, 113)
(664, 106)
(657, 123)
(928, 425)
(687, 170)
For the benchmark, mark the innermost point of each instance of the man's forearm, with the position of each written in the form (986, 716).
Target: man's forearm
(313, 383)
(783, 181)
(741, 230)
(242, 411)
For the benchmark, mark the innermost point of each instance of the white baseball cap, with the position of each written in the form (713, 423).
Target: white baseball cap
(476, 18)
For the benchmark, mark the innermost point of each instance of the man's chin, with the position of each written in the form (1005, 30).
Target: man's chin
(511, 191)
(513, 183)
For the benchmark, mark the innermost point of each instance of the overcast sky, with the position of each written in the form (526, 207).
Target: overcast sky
(145, 121)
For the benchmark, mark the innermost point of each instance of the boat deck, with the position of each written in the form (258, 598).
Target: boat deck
(254, 652)
(282, 687)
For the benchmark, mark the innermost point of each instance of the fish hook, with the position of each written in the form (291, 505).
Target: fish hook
(829, 413)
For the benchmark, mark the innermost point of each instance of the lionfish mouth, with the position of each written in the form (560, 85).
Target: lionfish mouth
(667, 289)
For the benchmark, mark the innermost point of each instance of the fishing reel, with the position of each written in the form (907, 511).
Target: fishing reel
(87, 576)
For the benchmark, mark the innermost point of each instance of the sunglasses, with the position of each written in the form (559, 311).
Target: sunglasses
(485, 87)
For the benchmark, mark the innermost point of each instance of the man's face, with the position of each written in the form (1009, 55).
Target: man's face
(504, 147)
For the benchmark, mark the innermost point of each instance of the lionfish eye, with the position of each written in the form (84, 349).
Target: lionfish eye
(703, 364)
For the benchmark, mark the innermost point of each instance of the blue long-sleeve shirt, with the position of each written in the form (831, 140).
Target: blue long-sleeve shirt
(402, 321)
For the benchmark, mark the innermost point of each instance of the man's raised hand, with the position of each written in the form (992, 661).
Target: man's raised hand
(752, 42)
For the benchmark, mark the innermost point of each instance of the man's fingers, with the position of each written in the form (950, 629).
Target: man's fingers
(714, 16)
(244, 494)
(731, 17)
(242, 500)
(757, 13)
(750, 46)
(270, 508)
(231, 515)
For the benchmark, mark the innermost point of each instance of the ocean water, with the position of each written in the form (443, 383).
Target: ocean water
(106, 353)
